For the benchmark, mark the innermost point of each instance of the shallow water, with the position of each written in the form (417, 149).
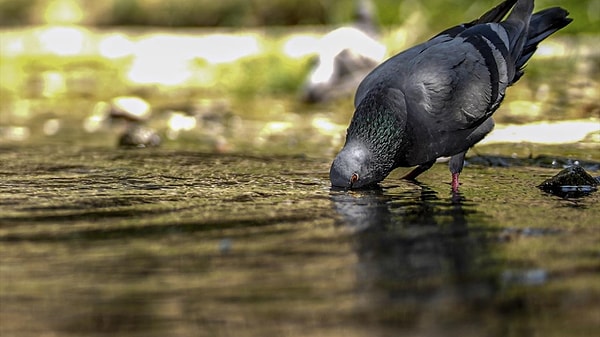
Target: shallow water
(97, 241)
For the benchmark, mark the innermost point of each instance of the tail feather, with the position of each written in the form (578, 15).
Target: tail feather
(546, 22)
(517, 25)
(521, 12)
(541, 25)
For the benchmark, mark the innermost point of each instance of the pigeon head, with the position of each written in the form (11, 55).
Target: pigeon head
(354, 167)
(373, 143)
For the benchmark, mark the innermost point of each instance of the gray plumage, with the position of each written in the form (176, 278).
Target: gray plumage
(436, 99)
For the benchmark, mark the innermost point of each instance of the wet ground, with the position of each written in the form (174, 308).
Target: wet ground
(97, 241)
(230, 228)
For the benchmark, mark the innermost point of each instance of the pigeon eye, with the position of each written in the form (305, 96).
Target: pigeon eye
(353, 178)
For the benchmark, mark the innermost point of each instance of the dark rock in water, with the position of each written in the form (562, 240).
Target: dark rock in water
(572, 182)
(573, 175)
(139, 136)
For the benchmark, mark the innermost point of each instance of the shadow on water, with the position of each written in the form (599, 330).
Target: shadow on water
(423, 259)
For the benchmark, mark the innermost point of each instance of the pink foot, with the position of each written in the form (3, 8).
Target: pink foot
(455, 182)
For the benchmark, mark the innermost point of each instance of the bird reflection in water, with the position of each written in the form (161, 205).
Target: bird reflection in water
(422, 258)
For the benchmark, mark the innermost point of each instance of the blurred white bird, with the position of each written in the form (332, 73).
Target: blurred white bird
(345, 56)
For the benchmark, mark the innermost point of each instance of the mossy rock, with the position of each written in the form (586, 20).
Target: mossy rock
(572, 182)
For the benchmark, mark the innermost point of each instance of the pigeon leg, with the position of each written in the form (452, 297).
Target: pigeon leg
(456, 165)
(455, 182)
(414, 173)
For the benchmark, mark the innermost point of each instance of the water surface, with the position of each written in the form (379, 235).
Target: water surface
(97, 241)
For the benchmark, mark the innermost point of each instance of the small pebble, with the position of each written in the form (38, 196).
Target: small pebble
(225, 246)
(529, 277)
(139, 136)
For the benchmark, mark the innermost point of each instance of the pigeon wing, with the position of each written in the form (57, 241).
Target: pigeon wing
(457, 84)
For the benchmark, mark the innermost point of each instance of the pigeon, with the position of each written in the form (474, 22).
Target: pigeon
(437, 99)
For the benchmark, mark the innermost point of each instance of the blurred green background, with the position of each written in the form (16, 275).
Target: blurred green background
(252, 13)
(60, 60)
